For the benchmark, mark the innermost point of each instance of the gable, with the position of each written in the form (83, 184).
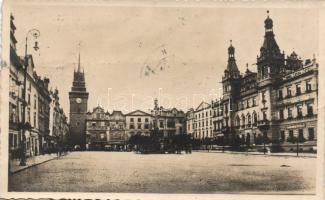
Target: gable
(138, 113)
(203, 105)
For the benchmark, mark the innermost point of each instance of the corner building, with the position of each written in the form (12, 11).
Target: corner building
(278, 102)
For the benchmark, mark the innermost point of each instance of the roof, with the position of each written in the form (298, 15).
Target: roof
(137, 113)
(117, 112)
(203, 105)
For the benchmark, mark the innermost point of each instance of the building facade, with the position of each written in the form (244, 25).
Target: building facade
(199, 124)
(169, 122)
(37, 105)
(15, 94)
(97, 129)
(277, 103)
(138, 123)
(105, 130)
(117, 136)
(44, 100)
(190, 122)
(59, 128)
(78, 97)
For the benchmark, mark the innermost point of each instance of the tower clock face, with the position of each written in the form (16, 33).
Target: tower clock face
(78, 100)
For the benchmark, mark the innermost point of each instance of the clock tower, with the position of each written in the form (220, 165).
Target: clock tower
(78, 97)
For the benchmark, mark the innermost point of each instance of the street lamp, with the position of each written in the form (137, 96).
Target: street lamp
(35, 33)
(298, 145)
(264, 138)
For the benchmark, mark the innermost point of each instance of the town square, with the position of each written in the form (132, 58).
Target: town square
(199, 172)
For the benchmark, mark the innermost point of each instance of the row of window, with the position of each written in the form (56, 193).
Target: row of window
(301, 137)
(203, 134)
(288, 89)
(139, 126)
(251, 102)
(247, 121)
(201, 124)
(139, 119)
(203, 114)
(299, 110)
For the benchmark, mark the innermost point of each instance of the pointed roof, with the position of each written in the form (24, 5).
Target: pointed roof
(79, 83)
(270, 47)
(79, 62)
(232, 69)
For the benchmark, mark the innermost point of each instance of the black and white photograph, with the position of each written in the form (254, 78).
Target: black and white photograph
(162, 98)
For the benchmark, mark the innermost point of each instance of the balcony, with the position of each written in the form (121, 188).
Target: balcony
(299, 118)
(263, 124)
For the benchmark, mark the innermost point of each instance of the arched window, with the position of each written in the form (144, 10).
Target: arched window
(243, 121)
(249, 120)
(237, 121)
(254, 118)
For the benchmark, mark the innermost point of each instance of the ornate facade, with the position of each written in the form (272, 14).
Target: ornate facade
(97, 129)
(105, 130)
(169, 122)
(277, 103)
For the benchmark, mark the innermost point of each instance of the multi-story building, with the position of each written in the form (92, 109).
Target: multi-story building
(97, 129)
(201, 121)
(138, 123)
(190, 122)
(169, 122)
(277, 103)
(15, 94)
(117, 137)
(44, 100)
(113, 130)
(36, 103)
(58, 124)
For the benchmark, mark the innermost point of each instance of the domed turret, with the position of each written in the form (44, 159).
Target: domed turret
(232, 69)
(268, 23)
(231, 51)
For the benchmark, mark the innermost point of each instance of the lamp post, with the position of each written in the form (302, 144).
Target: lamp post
(35, 33)
(298, 145)
(264, 138)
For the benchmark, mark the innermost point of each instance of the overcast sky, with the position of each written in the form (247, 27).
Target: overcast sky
(186, 47)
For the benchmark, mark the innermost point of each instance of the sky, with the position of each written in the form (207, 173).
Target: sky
(131, 55)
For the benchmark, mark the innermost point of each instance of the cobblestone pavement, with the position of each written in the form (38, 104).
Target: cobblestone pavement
(187, 173)
(14, 165)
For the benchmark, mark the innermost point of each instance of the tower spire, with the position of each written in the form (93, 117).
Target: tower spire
(79, 58)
